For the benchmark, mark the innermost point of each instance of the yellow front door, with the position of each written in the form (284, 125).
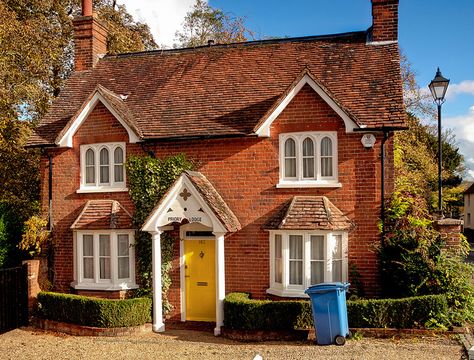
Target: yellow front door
(200, 280)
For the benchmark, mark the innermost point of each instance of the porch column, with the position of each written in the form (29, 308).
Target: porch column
(158, 325)
(220, 282)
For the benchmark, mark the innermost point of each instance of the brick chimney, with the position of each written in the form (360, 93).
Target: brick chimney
(90, 38)
(384, 20)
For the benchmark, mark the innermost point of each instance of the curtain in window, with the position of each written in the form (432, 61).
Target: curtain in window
(88, 256)
(308, 158)
(278, 259)
(326, 157)
(104, 166)
(118, 165)
(123, 256)
(290, 158)
(317, 259)
(296, 259)
(90, 167)
(337, 258)
(104, 256)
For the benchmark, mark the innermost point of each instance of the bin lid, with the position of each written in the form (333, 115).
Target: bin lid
(325, 287)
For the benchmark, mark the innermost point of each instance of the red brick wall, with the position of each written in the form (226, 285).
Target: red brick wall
(384, 20)
(101, 126)
(90, 40)
(244, 171)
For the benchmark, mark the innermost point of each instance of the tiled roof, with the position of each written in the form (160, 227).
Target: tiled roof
(214, 200)
(208, 194)
(309, 213)
(227, 89)
(469, 188)
(102, 215)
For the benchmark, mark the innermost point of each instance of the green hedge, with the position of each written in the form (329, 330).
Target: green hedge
(240, 312)
(95, 312)
(405, 313)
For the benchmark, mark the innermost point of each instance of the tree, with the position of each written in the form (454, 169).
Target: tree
(36, 56)
(205, 23)
(416, 151)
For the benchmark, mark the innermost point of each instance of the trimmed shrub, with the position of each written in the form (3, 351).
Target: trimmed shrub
(104, 313)
(240, 312)
(405, 313)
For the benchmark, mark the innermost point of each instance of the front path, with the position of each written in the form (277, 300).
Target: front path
(29, 343)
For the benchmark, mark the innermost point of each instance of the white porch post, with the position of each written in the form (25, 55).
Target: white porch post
(220, 282)
(158, 325)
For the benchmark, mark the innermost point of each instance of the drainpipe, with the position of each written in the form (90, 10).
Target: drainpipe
(50, 193)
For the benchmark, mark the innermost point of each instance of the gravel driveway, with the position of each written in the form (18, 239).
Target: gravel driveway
(29, 343)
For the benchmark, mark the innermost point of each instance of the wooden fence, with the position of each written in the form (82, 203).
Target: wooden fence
(13, 298)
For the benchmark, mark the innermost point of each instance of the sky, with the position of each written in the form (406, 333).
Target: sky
(432, 33)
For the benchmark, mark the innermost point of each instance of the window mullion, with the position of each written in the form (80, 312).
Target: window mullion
(328, 258)
(299, 159)
(285, 265)
(97, 166)
(95, 254)
(114, 257)
(80, 258)
(306, 261)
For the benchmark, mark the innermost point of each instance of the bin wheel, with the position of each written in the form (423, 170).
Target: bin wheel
(340, 340)
(349, 336)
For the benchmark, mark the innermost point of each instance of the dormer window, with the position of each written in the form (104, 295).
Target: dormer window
(308, 159)
(102, 167)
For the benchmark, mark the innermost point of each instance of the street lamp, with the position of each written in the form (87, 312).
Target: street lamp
(438, 87)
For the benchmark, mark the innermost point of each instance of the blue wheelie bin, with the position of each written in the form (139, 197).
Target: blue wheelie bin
(328, 301)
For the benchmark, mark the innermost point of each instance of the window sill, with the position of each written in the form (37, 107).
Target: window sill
(307, 184)
(104, 286)
(84, 190)
(287, 293)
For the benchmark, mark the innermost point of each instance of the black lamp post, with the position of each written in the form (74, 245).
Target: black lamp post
(438, 87)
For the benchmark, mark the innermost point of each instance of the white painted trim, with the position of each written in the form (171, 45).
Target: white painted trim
(264, 129)
(299, 181)
(114, 283)
(182, 280)
(98, 187)
(285, 289)
(378, 43)
(304, 184)
(220, 281)
(183, 182)
(66, 140)
(102, 189)
(158, 324)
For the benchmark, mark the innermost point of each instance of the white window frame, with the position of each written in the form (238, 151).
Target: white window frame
(112, 185)
(300, 181)
(284, 288)
(114, 283)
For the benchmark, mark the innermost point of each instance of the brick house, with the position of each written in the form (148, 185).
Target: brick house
(289, 136)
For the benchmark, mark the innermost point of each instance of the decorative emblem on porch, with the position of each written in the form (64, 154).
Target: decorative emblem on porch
(185, 194)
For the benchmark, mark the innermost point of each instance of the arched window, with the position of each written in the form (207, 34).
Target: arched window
(104, 166)
(326, 157)
(290, 158)
(308, 159)
(90, 167)
(118, 165)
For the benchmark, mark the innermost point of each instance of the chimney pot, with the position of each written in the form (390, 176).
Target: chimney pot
(86, 7)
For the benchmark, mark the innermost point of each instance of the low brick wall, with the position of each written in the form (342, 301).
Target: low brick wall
(79, 330)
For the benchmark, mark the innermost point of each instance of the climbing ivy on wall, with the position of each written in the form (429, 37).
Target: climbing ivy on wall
(148, 179)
